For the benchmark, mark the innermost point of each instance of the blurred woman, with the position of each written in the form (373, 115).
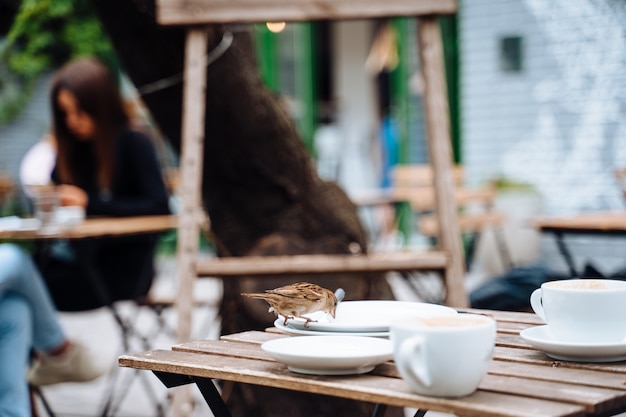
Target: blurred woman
(109, 168)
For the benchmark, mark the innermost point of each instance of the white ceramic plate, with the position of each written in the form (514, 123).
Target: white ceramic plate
(541, 338)
(330, 355)
(367, 316)
(304, 332)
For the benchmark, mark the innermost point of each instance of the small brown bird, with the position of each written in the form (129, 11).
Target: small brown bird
(297, 299)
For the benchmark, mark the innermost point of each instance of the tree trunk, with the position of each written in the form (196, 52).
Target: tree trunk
(260, 188)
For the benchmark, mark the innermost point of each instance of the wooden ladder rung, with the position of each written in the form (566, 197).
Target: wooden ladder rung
(319, 264)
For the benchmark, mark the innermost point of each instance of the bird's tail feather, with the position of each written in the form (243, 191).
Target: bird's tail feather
(254, 295)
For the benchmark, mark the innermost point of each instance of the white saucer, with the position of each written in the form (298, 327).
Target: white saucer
(541, 338)
(303, 332)
(330, 355)
(367, 316)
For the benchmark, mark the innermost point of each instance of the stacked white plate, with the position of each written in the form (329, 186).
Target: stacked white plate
(352, 343)
(360, 318)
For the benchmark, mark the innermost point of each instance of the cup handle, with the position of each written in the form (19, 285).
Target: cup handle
(535, 303)
(416, 369)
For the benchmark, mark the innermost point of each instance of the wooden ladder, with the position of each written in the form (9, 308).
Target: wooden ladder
(194, 14)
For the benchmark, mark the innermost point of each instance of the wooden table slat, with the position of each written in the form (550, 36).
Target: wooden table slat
(557, 373)
(595, 400)
(537, 357)
(507, 316)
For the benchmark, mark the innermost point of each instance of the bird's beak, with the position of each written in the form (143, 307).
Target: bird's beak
(332, 312)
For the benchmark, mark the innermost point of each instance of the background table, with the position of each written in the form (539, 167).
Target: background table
(521, 382)
(100, 227)
(593, 223)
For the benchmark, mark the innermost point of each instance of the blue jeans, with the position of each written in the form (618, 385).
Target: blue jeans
(15, 342)
(19, 275)
(28, 319)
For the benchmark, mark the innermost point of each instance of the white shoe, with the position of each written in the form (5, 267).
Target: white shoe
(77, 364)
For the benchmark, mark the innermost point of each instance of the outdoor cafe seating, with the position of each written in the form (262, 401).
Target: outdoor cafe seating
(132, 338)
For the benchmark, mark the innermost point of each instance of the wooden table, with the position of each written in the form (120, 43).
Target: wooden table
(610, 223)
(100, 227)
(521, 382)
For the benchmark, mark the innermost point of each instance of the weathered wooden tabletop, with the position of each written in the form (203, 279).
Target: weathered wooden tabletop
(101, 226)
(521, 382)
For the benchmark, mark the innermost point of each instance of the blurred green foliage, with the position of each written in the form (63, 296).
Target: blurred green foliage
(44, 35)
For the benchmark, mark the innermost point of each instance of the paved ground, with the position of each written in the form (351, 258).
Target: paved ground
(98, 330)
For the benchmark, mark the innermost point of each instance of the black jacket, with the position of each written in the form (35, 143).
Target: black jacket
(124, 264)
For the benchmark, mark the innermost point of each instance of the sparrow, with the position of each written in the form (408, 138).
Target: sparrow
(297, 299)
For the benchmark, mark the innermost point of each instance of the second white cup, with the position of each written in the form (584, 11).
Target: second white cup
(583, 310)
(444, 356)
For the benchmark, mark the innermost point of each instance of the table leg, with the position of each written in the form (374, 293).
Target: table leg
(569, 260)
(379, 410)
(205, 385)
(212, 397)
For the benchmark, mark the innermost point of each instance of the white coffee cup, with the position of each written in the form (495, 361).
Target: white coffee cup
(583, 310)
(444, 356)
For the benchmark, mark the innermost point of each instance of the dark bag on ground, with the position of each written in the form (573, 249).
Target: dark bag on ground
(511, 291)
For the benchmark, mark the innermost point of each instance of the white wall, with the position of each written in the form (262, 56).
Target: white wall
(560, 124)
(19, 135)
(356, 102)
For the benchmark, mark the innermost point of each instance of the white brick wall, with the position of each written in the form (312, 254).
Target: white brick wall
(559, 124)
(18, 136)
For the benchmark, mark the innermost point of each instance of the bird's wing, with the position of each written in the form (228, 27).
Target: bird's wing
(290, 292)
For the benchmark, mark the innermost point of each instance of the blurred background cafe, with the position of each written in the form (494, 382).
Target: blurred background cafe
(537, 95)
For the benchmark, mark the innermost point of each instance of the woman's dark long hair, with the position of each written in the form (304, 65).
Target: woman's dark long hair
(98, 95)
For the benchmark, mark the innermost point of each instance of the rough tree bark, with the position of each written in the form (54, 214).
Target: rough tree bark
(260, 188)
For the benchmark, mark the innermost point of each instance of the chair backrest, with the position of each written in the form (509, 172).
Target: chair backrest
(414, 183)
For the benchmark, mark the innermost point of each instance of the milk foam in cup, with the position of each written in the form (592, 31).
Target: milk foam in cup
(444, 356)
(583, 311)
